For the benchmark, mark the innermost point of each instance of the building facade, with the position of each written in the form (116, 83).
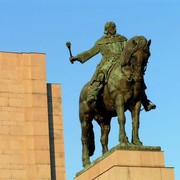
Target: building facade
(31, 125)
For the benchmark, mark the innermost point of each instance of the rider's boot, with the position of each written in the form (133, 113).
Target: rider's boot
(148, 105)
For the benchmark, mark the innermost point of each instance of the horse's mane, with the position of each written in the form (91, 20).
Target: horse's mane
(132, 45)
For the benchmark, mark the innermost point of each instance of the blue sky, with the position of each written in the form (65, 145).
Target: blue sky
(46, 25)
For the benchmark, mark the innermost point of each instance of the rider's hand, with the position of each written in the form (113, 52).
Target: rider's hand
(73, 58)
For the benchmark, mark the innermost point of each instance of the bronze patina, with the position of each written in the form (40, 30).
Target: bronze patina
(116, 86)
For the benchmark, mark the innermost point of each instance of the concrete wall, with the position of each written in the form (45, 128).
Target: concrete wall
(31, 131)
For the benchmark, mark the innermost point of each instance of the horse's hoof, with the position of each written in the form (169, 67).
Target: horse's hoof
(125, 144)
(132, 145)
(137, 143)
(104, 151)
(86, 165)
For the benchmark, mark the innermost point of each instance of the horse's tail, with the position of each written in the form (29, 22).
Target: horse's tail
(91, 143)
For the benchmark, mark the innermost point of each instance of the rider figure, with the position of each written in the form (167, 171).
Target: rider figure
(110, 46)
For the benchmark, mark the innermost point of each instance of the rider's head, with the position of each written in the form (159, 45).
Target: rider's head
(110, 28)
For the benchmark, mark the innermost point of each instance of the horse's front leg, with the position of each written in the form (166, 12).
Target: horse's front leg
(135, 113)
(123, 139)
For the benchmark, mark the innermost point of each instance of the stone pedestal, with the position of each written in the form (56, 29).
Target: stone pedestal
(128, 165)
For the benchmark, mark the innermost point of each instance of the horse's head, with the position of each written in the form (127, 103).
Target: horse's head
(136, 55)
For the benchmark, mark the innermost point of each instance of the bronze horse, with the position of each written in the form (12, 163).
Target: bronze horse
(123, 91)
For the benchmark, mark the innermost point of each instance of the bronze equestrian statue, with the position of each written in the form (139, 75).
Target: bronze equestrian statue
(116, 86)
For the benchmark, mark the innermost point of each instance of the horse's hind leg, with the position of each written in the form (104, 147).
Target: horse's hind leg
(105, 129)
(86, 124)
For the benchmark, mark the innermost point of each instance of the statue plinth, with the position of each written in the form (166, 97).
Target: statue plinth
(128, 164)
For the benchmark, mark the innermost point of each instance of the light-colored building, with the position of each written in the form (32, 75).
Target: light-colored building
(31, 126)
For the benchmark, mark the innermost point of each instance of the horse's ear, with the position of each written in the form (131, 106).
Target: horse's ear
(149, 42)
(134, 42)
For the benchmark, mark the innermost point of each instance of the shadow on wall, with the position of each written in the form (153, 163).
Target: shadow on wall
(51, 132)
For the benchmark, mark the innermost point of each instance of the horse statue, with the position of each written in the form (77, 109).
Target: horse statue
(123, 91)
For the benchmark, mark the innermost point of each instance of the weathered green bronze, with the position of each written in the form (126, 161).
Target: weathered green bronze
(116, 86)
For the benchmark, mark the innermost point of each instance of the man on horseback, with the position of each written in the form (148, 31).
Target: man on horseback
(110, 46)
